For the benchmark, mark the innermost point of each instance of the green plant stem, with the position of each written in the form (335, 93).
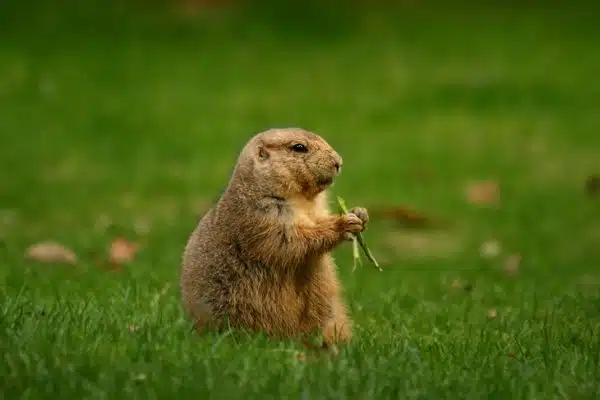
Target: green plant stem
(359, 237)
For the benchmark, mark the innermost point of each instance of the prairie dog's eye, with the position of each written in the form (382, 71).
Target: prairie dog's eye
(299, 148)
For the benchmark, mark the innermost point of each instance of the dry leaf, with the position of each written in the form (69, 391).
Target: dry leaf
(132, 328)
(456, 283)
(405, 216)
(490, 249)
(122, 251)
(402, 215)
(300, 356)
(483, 193)
(492, 313)
(51, 252)
(511, 266)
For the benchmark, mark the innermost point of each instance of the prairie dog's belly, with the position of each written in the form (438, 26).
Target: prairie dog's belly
(300, 304)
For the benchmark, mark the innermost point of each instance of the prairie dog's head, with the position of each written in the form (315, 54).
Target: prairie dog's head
(291, 162)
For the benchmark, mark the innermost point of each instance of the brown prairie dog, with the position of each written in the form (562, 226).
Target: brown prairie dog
(260, 259)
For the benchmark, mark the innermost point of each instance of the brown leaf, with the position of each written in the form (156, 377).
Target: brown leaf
(403, 215)
(492, 313)
(122, 251)
(483, 193)
(51, 252)
(512, 263)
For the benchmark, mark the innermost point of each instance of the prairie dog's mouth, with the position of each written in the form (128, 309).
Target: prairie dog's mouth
(325, 181)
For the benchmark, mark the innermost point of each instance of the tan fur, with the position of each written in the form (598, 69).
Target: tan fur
(260, 258)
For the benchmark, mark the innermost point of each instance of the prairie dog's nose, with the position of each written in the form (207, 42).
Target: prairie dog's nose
(337, 163)
(337, 166)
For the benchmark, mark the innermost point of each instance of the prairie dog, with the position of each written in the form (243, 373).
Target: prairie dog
(260, 259)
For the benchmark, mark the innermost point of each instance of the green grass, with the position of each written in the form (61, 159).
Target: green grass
(141, 123)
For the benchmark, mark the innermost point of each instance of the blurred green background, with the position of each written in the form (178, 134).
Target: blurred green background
(123, 120)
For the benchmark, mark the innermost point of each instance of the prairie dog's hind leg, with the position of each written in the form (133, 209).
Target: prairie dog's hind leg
(339, 327)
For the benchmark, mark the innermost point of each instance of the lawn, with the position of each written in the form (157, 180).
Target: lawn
(127, 126)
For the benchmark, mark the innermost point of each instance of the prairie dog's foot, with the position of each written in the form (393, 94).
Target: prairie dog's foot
(336, 331)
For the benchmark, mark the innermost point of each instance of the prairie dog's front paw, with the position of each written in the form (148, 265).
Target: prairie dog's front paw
(361, 213)
(350, 223)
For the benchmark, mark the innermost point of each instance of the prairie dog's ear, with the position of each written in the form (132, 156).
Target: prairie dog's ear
(263, 153)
